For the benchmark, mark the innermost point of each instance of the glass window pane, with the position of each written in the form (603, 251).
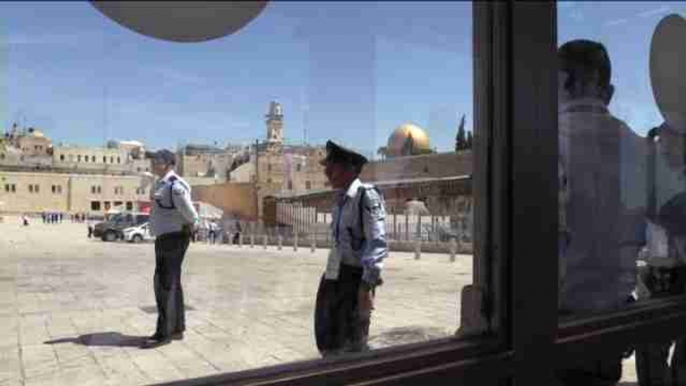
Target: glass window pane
(247, 119)
(622, 138)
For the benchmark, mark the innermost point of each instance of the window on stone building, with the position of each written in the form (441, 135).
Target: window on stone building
(93, 190)
(298, 167)
(308, 185)
(61, 157)
(290, 185)
(78, 158)
(95, 206)
(37, 188)
(30, 188)
(129, 205)
(14, 188)
(112, 159)
(2, 155)
(7, 188)
(118, 160)
(54, 189)
(104, 159)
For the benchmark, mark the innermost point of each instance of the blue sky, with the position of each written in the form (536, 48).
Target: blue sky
(348, 71)
(626, 30)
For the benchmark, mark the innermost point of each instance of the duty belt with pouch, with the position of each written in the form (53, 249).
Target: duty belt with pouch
(186, 230)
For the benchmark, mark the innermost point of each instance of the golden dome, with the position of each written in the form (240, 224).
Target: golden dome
(399, 144)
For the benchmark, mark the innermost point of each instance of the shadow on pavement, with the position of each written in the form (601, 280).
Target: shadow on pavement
(113, 339)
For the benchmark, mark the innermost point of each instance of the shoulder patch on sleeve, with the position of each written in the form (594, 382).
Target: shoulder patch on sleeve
(179, 190)
(373, 202)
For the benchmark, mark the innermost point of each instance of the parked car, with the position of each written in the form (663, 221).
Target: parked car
(138, 233)
(113, 229)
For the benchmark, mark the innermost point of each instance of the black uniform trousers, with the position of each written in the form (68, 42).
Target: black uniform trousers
(652, 365)
(170, 250)
(339, 325)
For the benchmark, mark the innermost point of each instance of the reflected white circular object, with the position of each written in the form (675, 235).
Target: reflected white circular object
(668, 79)
(182, 21)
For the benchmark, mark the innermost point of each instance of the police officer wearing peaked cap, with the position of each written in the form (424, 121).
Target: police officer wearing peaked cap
(172, 220)
(345, 298)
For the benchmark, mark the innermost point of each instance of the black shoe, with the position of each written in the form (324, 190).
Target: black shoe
(177, 335)
(156, 340)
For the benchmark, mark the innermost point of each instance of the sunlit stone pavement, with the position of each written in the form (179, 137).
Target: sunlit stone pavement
(73, 308)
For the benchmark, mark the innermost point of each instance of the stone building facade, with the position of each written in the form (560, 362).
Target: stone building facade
(33, 192)
(37, 175)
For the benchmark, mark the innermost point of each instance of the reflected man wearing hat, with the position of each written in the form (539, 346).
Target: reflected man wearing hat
(345, 298)
(172, 220)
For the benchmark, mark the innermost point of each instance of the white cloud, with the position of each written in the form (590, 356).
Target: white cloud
(616, 22)
(655, 11)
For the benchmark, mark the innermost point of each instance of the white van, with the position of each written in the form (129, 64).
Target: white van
(139, 233)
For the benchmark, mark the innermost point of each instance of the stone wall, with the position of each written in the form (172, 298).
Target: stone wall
(237, 199)
(67, 192)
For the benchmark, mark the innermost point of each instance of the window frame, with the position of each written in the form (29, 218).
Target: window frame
(516, 165)
(470, 359)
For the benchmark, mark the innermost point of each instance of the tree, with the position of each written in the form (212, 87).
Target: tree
(470, 140)
(461, 138)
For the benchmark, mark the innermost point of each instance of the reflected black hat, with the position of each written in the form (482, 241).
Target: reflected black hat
(338, 154)
(164, 155)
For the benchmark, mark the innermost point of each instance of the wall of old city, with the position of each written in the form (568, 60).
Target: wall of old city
(236, 199)
(38, 191)
(200, 165)
(420, 166)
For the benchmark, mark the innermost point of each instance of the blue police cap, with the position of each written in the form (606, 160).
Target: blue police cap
(338, 154)
(164, 155)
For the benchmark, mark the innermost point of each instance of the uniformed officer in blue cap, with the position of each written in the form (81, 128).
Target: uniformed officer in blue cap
(172, 219)
(345, 298)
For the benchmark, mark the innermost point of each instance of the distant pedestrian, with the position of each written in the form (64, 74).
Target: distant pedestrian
(213, 232)
(89, 222)
(25, 220)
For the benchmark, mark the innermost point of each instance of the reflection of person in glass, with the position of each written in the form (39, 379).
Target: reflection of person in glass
(665, 251)
(345, 299)
(603, 208)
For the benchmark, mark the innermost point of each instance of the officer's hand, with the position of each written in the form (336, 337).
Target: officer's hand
(366, 302)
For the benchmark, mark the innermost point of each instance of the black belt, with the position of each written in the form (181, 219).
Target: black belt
(174, 235)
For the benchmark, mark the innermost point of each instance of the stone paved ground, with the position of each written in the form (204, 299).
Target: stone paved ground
(71, 308)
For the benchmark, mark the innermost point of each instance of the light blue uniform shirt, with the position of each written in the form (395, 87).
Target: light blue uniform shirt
(165, 195)
(354, 248)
